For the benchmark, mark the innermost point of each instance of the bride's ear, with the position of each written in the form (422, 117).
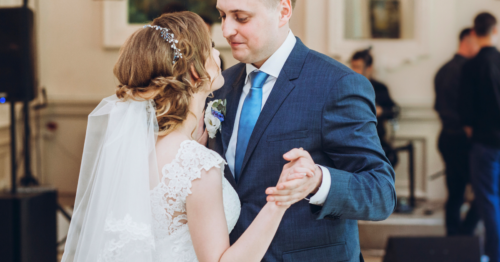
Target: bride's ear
(194, 74)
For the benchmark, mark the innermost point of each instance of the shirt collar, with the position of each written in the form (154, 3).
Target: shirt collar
(275, 63)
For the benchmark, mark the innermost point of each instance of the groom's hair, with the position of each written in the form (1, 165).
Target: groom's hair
(273, 3)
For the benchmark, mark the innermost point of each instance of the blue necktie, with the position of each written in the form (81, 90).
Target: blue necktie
(248, 118)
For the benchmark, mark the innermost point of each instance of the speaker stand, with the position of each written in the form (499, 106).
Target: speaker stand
(13, 153)
(28, 179)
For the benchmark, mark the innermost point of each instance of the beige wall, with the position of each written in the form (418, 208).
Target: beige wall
(73, 64)
(77, 73)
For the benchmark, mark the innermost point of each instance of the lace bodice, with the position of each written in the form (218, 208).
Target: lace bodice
(168, 204)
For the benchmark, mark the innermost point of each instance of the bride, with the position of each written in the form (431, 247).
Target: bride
(148, 191)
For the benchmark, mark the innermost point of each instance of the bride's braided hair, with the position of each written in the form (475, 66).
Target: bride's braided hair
(145, 65)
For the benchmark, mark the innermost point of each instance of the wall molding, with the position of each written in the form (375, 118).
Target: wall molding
(82, 108)
(70, 108)
(418, 113)
(55, 108)
(59, 109)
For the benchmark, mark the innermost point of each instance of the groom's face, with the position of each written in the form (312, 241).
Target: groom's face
(250, 27)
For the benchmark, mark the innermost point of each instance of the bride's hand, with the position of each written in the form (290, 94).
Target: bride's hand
(299, 178)
(295, 178)
(201, 132)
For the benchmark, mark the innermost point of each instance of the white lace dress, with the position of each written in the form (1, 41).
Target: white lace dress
(171, 233)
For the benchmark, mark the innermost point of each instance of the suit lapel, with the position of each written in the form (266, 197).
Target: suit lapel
(233, 99)
(280, 91)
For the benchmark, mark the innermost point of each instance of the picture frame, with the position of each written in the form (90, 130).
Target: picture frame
(392, 53)
(116, 28)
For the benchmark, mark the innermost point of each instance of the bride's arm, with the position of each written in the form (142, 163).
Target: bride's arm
(207, 224)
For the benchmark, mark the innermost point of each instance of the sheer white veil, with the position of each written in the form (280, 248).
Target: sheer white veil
(112, 216)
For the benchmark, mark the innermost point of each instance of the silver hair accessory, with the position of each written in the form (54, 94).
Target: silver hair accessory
(170, 39)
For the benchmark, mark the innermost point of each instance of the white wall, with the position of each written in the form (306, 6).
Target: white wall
(77, 73)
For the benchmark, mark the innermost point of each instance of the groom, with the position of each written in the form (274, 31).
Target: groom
(284, 96)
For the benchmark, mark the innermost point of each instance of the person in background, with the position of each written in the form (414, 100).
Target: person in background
(362, 63)
(454, 144)
(209, 22)
(480, 113)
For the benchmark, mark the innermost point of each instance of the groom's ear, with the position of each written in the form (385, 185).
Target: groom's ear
(286, 11)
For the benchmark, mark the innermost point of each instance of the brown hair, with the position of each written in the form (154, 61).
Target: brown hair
(145, 64)
(484, 24)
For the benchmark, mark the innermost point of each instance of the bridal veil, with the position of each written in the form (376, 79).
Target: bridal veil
(112, 215)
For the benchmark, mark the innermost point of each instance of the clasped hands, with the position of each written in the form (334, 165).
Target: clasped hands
(299, 178)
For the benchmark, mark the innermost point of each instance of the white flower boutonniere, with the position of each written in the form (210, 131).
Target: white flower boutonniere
(214, 116)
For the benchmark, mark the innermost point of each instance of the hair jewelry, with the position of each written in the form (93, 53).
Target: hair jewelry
(170, 39)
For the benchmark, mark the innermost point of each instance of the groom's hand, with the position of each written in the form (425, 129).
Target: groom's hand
(299, 178)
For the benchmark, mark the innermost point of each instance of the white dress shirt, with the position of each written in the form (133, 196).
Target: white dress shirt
(272, 67)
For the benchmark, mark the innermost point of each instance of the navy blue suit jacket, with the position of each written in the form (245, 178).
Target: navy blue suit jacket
(324, 107)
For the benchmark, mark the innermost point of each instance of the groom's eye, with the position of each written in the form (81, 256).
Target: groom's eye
(241, 19)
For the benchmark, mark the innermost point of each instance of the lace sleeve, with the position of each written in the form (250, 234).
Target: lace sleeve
(169, 198)
(190, 161)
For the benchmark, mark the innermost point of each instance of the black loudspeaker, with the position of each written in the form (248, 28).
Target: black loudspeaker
(18, 78)
(433, 249)
(28, 226)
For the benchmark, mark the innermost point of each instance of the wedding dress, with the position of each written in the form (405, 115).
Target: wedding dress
(126, 210)
(171, 233)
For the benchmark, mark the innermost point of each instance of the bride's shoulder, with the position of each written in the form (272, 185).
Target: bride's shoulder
(192, 151)
(177, 152)
(192, 161)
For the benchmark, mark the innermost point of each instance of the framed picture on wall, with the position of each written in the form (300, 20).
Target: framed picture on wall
(140, 11)
(385, 19)
(122, 18)
(398, 30)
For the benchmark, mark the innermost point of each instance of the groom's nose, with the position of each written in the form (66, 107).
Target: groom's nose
(229, 28)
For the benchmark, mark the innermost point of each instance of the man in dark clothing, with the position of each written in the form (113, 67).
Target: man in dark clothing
(453, 142)
(480, 113)
(362, 63)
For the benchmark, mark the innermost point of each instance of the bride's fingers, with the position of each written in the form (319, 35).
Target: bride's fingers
(271, 190)
(284, 188)
(275, 192)
(291, 185)
(288, 200)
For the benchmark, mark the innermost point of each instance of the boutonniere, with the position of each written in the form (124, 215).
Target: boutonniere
(214, 116)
